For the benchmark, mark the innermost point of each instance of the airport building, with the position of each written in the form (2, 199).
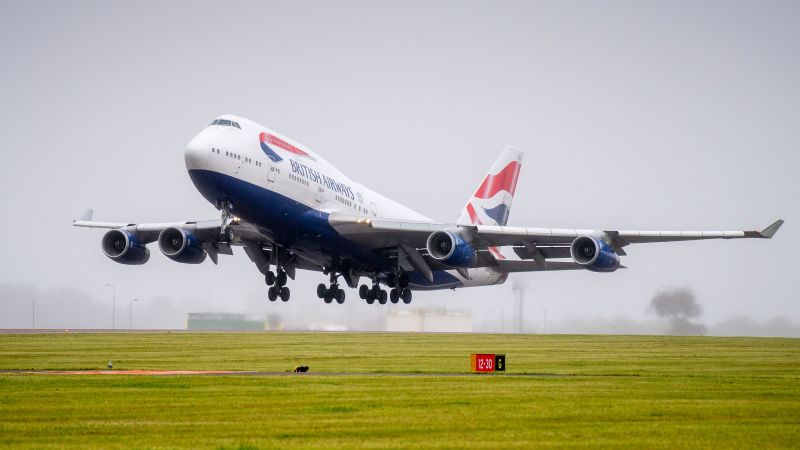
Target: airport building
(209, 321)
(429, 320)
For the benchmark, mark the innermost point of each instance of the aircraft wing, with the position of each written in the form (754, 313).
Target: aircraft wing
(502, 236)
(551, 242)
(148, 232)
(208, 231)
(254, 240)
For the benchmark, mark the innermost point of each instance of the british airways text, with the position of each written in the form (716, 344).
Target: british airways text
(316, 177)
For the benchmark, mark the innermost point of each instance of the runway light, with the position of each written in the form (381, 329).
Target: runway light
(110, 364)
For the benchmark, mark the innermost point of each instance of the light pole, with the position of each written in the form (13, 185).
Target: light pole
(33, 314)
(519, 292)
(544, 320)
(113, 306)
(130, 314)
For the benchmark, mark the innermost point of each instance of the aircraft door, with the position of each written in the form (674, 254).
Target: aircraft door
(372, 210)
(270, 172)
(320, 197)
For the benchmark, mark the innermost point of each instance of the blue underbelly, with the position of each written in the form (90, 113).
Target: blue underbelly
(294, 225)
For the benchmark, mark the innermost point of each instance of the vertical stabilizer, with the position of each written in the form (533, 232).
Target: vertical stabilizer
(491, 202)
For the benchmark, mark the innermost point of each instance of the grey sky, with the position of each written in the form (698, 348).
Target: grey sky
(634, 115)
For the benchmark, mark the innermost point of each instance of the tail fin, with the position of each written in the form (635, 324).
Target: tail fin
(491, 202)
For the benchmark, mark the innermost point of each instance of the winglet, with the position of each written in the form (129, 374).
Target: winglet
(771, 230)
(86, 216)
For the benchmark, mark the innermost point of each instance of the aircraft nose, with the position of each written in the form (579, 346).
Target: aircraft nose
(198, 150)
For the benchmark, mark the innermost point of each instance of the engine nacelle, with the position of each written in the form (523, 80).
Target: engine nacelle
(180, 245)
(451, 249)
(124, 247)
(594, 254)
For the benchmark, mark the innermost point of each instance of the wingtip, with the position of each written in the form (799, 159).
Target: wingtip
(772, 229)
(86, 216)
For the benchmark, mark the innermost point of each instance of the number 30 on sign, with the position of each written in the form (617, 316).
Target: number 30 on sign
(488, 362)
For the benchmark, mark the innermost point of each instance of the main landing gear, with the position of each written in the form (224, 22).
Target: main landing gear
(399, 291)
(334, 292)
(277, 286)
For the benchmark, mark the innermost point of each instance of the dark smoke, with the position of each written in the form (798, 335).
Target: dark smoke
(678, 305)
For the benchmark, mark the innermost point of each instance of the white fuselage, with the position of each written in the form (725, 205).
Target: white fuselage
(308, 178)
(283, 187)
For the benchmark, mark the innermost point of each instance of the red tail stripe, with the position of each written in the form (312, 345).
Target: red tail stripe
(505, 180)
(473, 216)
(496, 253)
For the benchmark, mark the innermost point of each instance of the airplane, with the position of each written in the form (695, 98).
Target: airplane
(290, 209)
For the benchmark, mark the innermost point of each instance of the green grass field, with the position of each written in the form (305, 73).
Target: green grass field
(594, 391)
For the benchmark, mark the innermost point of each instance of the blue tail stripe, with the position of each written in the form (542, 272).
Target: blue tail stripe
(499, 213)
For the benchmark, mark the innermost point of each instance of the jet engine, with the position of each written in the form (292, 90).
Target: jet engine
(180, 245)
(594, 254)
(124, 247)
(451, 249)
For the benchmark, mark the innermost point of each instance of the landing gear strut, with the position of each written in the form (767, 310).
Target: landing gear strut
(225, 231)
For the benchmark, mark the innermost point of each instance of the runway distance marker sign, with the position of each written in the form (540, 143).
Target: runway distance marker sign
(487, 362)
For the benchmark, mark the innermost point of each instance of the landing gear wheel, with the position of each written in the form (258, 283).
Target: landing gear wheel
(394, 296)
(383, 297)
(370, 299)
(406, 296)
(272, 294)
(328, 296)
(321, 290)
(363, 292)
(284, 294)
(269, 278)
(402, 280)
(340, 296)
(280, 280)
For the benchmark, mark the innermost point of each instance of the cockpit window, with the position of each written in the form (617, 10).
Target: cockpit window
(225, 123)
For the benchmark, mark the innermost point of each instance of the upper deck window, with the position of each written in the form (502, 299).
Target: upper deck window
(225, 123)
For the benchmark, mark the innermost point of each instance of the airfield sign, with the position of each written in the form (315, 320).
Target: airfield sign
(487, 362)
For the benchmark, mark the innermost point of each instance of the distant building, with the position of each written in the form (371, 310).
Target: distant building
(223, 322)
(425, 320)
(274, 322)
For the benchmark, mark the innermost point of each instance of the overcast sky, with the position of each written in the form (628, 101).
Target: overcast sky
(632, 115)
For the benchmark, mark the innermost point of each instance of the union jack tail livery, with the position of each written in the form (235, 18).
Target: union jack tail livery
(491, 202)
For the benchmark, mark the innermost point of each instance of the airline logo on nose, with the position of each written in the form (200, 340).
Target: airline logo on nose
(263, 138)
(267, 141)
